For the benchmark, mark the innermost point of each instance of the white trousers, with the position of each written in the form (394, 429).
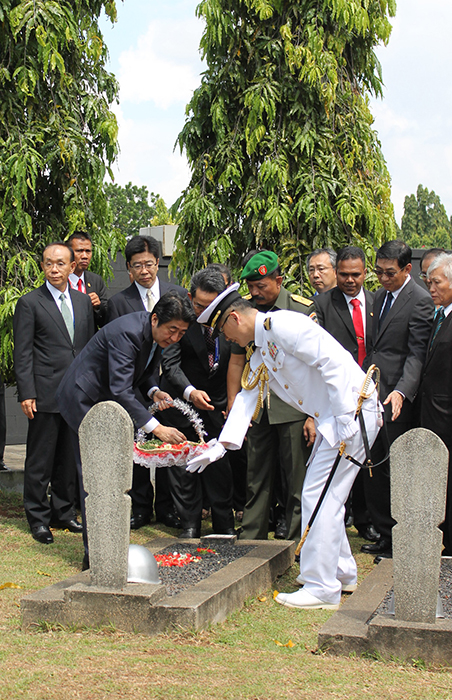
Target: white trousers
(326, 561)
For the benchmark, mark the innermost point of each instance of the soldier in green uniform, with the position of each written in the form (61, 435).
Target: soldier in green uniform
(281, 436)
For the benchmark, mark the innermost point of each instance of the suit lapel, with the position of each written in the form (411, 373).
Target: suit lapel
(133, 298)
(199, 344)
(445, 328)
(143, 356)
(341, 308)
(396, 308)
(48, 303)
(78, 312)
(369, 318)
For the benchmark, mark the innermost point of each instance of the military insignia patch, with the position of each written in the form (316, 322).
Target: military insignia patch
(267, 323)
(273, 350)
(262, 270)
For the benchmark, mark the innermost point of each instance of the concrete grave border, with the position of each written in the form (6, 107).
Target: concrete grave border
(146, 609)
(354, 629)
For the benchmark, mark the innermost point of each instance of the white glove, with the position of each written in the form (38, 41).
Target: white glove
(215, 452)
(346, 428)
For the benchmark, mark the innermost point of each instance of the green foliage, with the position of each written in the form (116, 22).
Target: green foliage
(162, 214)
(279, 134)
(425, 223)
(58, 138)
(130, 208)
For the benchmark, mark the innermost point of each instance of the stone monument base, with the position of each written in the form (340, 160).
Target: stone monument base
(355, 629)
(147, 609)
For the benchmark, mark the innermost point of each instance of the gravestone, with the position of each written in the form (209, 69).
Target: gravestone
(106, 449)
(419, 466)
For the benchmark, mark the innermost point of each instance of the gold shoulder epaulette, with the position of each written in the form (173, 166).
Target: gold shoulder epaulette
(301, 300)
(268, 323)
(247, 297)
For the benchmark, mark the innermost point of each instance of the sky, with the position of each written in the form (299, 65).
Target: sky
(154, 53)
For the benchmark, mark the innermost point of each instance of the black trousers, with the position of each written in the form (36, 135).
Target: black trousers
(377, 487)
(142, 492)
(216, 479)
(49, 460)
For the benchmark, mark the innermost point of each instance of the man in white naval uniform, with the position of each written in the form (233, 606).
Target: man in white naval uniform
(307, 368)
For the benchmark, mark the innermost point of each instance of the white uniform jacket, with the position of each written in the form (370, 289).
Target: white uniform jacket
(308, 369)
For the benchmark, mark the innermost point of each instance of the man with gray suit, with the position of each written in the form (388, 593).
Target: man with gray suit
(402, 321)
(52, 324)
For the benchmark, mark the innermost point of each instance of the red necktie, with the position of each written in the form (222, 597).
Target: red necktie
(80, 285)
(359, 330)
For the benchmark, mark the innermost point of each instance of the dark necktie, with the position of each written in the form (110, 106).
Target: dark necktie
(359, 329)
(386, 308)
(210, 345)
(440, 316)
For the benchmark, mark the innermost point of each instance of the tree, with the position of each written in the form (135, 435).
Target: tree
(162, 214)
(58, 138)
(279, 134)
(425, 223)
(131, 208)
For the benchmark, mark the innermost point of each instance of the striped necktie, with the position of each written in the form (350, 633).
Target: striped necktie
(440, 316)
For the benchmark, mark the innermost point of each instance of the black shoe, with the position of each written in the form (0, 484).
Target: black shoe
(3, 467)
(137, 521)
(228, 531)
(42, 534)
(349, 521)
(85, 563)
(378, 547)
(368, 533)
(71, 525)
(170, 520)
(383, 555)
(281, 529)
(190, 533)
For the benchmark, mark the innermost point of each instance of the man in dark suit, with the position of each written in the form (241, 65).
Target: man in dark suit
(142, 260)
(402, 321)
(435, 390)
(346, 312)
(321, 267)
(86, 281)
(120, 364)
(195, 369)
(51, 326)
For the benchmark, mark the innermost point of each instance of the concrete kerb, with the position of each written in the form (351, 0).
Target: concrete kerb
(355, 629)
(147, 609)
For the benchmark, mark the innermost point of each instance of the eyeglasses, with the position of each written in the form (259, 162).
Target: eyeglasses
(423, 276)
(198, 307)
(320, 270)
(60, 265)
(224, 323)
(387, 273)
(147, 265)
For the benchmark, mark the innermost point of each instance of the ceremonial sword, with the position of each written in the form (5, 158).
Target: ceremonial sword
(364, 394)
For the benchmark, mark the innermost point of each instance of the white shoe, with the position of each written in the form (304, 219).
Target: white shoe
(346, 587)
(304, 600)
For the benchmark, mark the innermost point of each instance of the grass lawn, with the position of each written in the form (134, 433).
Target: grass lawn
(244, 658)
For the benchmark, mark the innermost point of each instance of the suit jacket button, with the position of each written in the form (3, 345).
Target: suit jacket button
(300, 402)
(274, 369)
(286, 386)
(263, 352)
(316, 414)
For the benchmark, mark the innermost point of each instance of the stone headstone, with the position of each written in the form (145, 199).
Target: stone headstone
(419, 466)
(106, 449)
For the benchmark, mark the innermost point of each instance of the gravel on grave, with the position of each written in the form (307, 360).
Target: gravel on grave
(178, 578)
(445, 591)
